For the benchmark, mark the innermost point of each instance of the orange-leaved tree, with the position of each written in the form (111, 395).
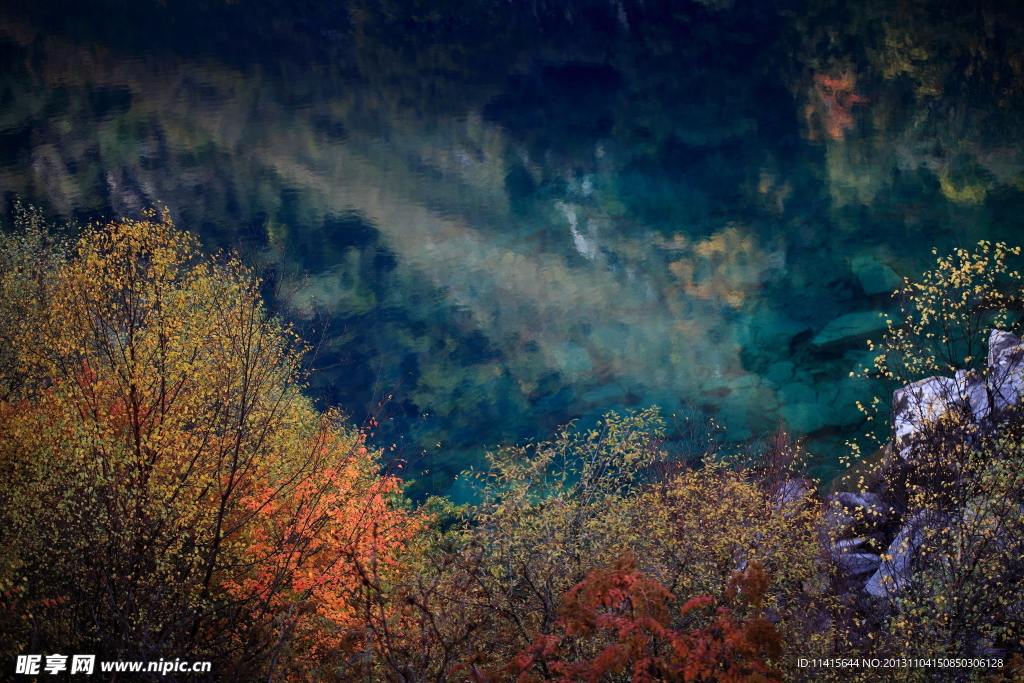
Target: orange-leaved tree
(170, 491)
(628, 614)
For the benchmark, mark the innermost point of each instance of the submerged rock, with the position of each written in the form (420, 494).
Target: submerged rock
(608, 395)
(797, 392)
(853, 327)
(667, 402)
(874, 277)
(807, 417)
(780, 373)
(845, 396)
(769, 331)
(748, 410)
(571, 359)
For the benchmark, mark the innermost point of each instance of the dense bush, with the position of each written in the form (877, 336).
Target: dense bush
(168, 490)
(557, 514)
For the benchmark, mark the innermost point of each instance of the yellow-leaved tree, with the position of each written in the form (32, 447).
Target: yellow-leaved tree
(953, 472)
(169, 492)
(495, 601)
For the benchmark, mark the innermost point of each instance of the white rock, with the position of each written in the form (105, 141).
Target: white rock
(896, 568)
(917, 404)
(971, 388)
(1005, 369)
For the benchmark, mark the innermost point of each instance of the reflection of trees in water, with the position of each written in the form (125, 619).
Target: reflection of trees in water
(684, 172)
(912, 87)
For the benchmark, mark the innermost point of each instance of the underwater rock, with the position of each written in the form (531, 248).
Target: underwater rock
(609, 394)
(807, 417)
(804, 410)
(863, 362)
(747, 411)
(797, 392)
(554, 402)
(611, 338)
(847, 393)
(779, 373)
(853, 327)
(571, 359)
(875, 277)
(668, 403)
(595, 418)
(768, 332)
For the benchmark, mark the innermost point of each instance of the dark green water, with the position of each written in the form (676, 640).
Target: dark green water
(513, 214)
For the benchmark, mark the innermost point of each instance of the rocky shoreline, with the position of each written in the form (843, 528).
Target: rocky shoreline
(876, 537)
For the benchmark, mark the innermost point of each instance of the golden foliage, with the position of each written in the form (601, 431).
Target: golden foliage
(170, 491)
(555, 512)
(959, 486)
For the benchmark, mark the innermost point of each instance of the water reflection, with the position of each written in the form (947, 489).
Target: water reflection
(512, 226)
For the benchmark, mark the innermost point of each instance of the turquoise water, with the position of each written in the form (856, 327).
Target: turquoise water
(502, 216)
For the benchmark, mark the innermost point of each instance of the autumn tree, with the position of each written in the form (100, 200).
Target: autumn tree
(169, 490)
(553, 513)
(635, 614)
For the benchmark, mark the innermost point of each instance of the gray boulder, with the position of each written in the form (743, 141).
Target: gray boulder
(852, 560)
(1005, 369)
(971, 388)
(793, 493)
(916, 405)
(858, 564)
(845, 511)
(896, 568)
